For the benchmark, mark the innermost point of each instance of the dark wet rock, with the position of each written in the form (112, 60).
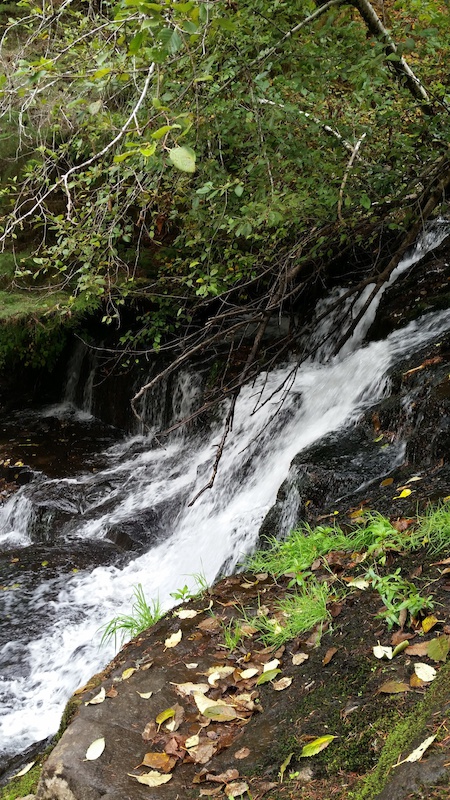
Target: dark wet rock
(406, 435)
(411, 779)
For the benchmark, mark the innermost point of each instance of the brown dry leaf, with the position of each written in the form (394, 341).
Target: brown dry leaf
(160, 761)
(393, 687)
(420, 649)
(176, 747)
(283, 683)
(209, 625)
(429, 622)
(244, 752)
(203, 752)
(299, 658)
(151, 778)
(335, 609)
(224, 777)
(402, 524)
(177, 719)
(248, 584)
(415, 682)
(174, 639)
(236, 789)
(329, 655)
(387, 482)
(210, 792)
(112, 692)
(150, 731)
(248, 630)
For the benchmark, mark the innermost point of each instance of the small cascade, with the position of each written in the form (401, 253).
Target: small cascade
(78, 391)
(131, 506)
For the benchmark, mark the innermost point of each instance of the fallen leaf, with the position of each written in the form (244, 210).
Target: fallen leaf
(192, 665)
(220, 713)
(99, 698)
(438, 648)
(209, 625)
(267, 676)
(316, 746)
(403, 493)
(159, 761)
(186, 613)
(417, 754)
(382, 652)
(203, 702)
(329, 655)
(217, 673)
(25, 769)
(186, 689)
(248, 585)
(415, 682)
(387, 482)
(429, 622)
(244, 752)
(127, 673)
(283, 683)
(284, 766)
(425, 672)
(393, 687)
(145, 695)
(192, 741)
(112, 692)
(398, 637)
(271, 665)
(151, 778)
(177, 719)
(247, 629)
(95, 750)
(420, 649)
(236, 789)
(299, 658)
(174, 639)
(358, 583)
(203, 752)
(168, 713)
(399, 648)
(224, 777)
(246, 674)
(210, 792)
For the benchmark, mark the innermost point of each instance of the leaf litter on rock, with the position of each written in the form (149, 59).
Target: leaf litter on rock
(95, 749)
(152, 778)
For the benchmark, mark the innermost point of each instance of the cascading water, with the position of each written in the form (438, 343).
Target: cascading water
(50, 623)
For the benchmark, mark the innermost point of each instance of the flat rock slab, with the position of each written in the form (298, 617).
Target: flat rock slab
(335, 694)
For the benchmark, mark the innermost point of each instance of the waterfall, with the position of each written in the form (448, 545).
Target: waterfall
(51, 618)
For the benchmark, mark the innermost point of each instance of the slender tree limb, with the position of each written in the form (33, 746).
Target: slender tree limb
(377, 29)
(347, 173)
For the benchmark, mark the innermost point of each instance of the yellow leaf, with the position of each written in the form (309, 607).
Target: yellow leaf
(127, 673)
(173, 640)
(151, 778)
(404, 493)
(163, 715)
(316, 746)
(429, 622)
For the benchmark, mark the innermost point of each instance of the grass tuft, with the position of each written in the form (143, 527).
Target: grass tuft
(126, 626)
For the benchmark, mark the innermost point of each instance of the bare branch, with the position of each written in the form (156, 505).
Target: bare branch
(347, 173)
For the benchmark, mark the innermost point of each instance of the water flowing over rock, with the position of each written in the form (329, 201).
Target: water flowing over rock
(293, 428)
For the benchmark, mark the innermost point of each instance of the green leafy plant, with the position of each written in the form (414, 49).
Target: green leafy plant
(232, 634)
(295, 614)
(125, 626)
(398, 595)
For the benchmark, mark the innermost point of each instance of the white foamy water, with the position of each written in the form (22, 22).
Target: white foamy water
(55, 643)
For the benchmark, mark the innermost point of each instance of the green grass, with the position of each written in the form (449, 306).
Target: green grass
(126, 626)
(373, 537)
(295, 614)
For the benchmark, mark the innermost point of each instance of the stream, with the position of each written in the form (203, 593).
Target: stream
(104, 513)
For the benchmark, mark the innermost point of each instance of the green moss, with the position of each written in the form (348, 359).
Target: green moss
(401, 738)
(20, 787)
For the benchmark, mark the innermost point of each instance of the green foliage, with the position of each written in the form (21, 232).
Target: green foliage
(296, 614)
(228, 151)
(20, 787)
(398, 595)
(126, 626)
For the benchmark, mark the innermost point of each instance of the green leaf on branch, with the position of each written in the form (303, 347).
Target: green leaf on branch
(183, 158)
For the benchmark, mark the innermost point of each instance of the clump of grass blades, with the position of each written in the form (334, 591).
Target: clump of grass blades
(295, 614)
(297, 552)
(142, 616)
(434, 529)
